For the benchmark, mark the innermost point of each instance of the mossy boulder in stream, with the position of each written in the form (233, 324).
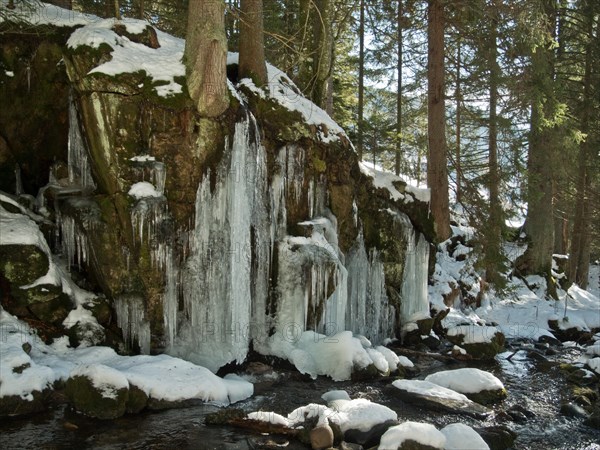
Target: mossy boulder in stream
(98, 391)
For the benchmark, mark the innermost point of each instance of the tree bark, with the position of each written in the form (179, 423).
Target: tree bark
(457, 157)
(494, 227)
(539, 223)
(206, 57)
(361, 81)
(252, 49)
(437, 172)
(579, 260)
(399, 67)
(323, 41)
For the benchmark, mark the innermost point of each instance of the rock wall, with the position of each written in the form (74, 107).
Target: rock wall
(209, 236)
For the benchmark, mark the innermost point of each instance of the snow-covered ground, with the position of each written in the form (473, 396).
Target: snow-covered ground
(466, 380)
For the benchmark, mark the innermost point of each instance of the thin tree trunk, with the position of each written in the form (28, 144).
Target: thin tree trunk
(323, 40)
(117, 10)
(361, 80)
(494, 227)
(437, 174)
(206, 56)
(579, 260)
(458, 156)
(399, 66)
(252, 50)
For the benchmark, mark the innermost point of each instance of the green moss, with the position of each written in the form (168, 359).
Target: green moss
(137, 399)
(89, 400)
(319, 165)
(488, 397)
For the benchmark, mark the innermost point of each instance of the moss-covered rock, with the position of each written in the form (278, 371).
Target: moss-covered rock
(365, 373)
(104, 402)
(23, 264)
(137, 399)
(481, 350)
(15, 405)
(488, 397)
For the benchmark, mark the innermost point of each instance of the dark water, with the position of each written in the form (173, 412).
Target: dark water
(537, 386)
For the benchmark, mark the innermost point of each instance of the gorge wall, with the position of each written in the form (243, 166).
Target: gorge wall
(209, 237)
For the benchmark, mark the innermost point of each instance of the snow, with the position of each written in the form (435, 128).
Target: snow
(361, 414)
(423, 433)
(393, 360)
(388, 181)
(106, 379)
(335, 395)
(474, 334)
(162, 64)
(405, 362)
(39, 13)
(270, 417)
(18, 229)
(462, 437)
(143, 189)
(143, 158)
(594, 364)
(161, 377)
(280, 88)
(316, 354)
(466, 380)
(429, 389)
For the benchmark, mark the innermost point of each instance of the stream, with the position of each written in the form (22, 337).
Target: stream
(538, 386)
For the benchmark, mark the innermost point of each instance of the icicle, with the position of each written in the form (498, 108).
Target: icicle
(78, 160)
(73, 242)
(18, 182)
(131, 318)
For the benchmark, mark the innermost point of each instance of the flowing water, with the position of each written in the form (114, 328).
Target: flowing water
(537, 386)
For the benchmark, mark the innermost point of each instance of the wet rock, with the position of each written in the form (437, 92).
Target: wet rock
(440, 401)
(137, 400)
(15, 405)
(582, 377)
(365, 373)
(321, 437)
(498, 437)
(371, 437)
(349, 446)
(549, 340)
(86, 333)
(594, 419)
(565, 333)
(519, 414)
(572, 410)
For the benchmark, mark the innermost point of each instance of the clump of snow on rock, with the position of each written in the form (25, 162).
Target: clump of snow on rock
(162, 64)
(466, 380)
(282, 89)
(462, 437)
(422, 433)
(429, 389)
(144, 189)
(387, 180)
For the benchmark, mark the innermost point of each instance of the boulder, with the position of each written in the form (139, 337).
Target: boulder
(98, 391)
(16, 405)
(498, 437)
(436, 398)
(479, 342)
(321, 436)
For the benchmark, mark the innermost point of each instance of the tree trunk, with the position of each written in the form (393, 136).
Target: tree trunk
(539, 223)
(437, 175)
(493, 255)
(323, 41)
(458, 162)
(252, 49)
(579, 261)
(206, 57)
(399, 91)
(361, 81)
(117, 10)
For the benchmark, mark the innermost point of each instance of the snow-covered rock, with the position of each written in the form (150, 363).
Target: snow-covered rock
(436, 397)
(478, 385)
(462, 437)
(412, 432)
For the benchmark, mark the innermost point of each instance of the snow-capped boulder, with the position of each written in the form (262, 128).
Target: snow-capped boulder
(412, 436)
(436, 397)
(481, 342)
(478, 385)
(98, 391)
(462, 437)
